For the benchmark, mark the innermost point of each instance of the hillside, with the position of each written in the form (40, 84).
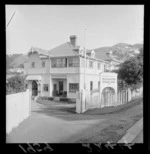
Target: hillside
(119, 51)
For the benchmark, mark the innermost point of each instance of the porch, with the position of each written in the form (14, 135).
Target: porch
(59, 87)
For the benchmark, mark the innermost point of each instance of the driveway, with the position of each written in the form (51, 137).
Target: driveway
(51, 122)
(56, 122)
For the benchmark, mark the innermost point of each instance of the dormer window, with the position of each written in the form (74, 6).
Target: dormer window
(43, 63)
(92, 53)
(33, 64)
(81, 51)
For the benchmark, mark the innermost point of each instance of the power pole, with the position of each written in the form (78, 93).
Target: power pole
(85, 61)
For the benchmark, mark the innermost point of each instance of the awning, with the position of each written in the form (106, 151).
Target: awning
(33, 77)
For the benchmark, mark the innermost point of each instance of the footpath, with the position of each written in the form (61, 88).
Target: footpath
(133, 133)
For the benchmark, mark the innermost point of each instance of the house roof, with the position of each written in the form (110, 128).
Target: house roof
(102, 55)
(39, 51)
(65, 49)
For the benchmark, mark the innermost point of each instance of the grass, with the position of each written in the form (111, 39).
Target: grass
(111, 109)
(112, 133)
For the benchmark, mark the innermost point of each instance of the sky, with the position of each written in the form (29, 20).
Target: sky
(48, 26)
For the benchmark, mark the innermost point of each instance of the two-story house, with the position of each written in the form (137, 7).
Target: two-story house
(61, 71)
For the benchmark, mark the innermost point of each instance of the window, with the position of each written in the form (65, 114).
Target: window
(73, 87)
(104, 68)
(45, 87)
(43, 63)
(99, 66)
(33, 64)
(98, 84)
(73, 62)
(91, 85)
(91, 64)
(59, 62)
(83, 62)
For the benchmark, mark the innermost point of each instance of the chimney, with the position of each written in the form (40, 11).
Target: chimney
(73, 40)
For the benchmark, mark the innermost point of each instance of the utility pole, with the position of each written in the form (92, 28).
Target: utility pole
(85, 61)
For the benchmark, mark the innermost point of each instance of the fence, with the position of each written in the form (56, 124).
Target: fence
(17, 109)
(128, 95)
(87, 99)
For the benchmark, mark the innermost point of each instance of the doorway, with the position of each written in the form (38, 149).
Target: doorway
(61, 87)
(34, 88)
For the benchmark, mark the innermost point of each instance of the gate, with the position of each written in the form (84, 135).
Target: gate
(108, 97)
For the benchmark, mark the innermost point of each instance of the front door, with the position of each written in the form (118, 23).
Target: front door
(54, 89)
(34, 88)
(60, 87)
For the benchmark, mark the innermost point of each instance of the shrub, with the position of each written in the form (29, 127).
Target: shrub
(15, 84)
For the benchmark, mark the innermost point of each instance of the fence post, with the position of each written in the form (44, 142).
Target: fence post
(126, 96)
(129, 95)
(83, 101)
(78, 102)
(121, 97)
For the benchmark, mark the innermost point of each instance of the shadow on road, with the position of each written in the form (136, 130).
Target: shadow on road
(63, 111)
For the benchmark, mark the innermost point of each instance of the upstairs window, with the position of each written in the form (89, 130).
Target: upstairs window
(98, 84)
(73, 62)
(91, 85)
(43, 63)
(59, 62)
(105, 67)
(33, 64)
(99, 66)
(90, 64)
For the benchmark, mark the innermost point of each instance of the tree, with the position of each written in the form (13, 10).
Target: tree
(131, 71)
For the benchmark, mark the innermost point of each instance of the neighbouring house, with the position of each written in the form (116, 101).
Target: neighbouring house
(16, 70)
(107, 56)
(61, 71)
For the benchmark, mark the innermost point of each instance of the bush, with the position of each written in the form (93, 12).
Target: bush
(64, 99)
(45, 98)
(15, 84)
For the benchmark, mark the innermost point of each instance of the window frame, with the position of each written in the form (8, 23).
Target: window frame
(74, 61)
(91, 62)
(33, 64)
(91, 85)
(45, 89)
(99, 65)
(43, 62)
(73, 87)
(59, 62)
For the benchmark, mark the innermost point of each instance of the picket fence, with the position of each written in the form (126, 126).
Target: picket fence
(88, 100)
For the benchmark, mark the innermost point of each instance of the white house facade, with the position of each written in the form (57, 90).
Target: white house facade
(61, 71)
